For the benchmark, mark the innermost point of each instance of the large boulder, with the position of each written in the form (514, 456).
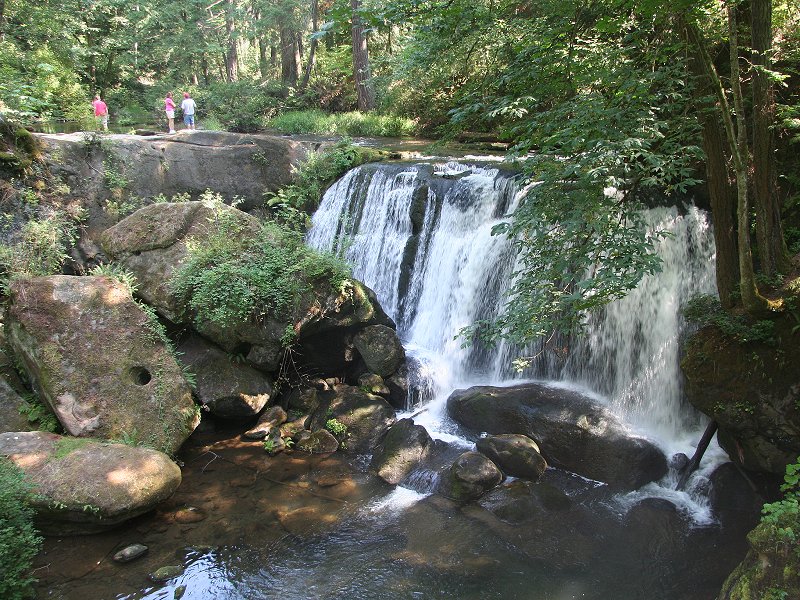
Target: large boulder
(752, 391)
(94, 355)
(84, 486)
(153, 242)
(367, 417)
(516, 455)
(230, 389)
(471, 476)
(229, 163)
(573, 431)
(405, 446)
(380, 348)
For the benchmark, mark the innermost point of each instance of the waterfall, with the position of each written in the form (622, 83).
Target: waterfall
(420, 236)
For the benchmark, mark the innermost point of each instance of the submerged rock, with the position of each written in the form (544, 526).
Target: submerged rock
(83, 486)
(471, 476)
(94, 355)
(321, 441)
(405, 446)
(573, 431)
(130, 553)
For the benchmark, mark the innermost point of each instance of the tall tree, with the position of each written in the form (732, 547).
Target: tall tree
(361, 69)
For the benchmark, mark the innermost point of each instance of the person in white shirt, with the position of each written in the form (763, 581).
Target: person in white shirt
(188, 107)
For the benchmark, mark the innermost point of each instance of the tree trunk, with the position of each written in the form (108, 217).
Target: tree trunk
(772, 252)
(721, 190)
(752, 301)
(312, 53)
(2, 20)
(290, 57)
(232, 53)
(361, 73)
(263, 60)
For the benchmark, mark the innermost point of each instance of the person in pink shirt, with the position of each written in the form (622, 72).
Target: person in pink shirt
(100, 112)
(169, 108)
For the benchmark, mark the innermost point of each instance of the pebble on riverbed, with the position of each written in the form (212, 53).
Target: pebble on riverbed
(130, 553)
(166, 573)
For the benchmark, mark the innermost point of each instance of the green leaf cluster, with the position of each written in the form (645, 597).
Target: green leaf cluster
(231, 277)
(707, 310)
(19, 540)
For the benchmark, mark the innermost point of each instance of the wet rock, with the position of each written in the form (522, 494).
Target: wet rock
(516, 455)
(164, 574)
(305, 400)
(380, 348)
(91, 354)
(471, 475)
(574, 432)
(733, 499)
(229, 389)
(189, 514)
(398, 387)
(179, 592)
(270, 419)
(367, 417)
(321, 441)
(405, 446)
(84, 486)
(523, 502)
(130, 553)
(274, 442)
(305, 520)
(292, 428)
(374, 384)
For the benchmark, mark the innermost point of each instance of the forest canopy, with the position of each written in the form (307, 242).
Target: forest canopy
(606, 103)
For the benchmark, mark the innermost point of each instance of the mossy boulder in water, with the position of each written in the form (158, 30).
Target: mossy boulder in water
(380, 348)
(84, 486)
(471, 476)
(574, 432)
(95, 356)
(405, 446)
(517, 455)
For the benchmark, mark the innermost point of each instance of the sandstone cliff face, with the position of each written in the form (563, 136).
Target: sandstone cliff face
(752, 390)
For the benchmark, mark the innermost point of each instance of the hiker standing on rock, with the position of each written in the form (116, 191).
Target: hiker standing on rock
(169, 108)
(100, 112)
(188, 107)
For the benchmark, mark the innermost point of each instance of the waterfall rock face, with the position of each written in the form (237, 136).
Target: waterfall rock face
(84, 486)
(573, 432)
(91, 354)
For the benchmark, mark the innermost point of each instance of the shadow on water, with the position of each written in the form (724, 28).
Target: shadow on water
(301, 526)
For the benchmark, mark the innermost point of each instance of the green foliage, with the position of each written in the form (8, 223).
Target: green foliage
(39, 415)
(242, 106)
(67, 445)
(19, 540)
(337, 428)
(39, 247)
(118, 273)
(232, 276)
(782, 518)
(290, 204)
(707, 310)
(348, 124)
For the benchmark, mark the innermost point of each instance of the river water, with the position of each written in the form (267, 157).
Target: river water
(302, 526)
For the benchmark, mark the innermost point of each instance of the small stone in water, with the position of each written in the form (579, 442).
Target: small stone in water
(179, 592)
(130, 553)
(190, 514)
(166, 573)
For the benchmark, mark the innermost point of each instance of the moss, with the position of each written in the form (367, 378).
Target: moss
(67, 445)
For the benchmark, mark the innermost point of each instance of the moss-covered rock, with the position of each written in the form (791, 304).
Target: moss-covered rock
(752, 390)
(84, 486)
(405, 446)
(95, 356)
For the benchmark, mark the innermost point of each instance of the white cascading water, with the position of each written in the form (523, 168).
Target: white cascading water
(458, 272)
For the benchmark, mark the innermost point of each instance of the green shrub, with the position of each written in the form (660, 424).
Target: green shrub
(707, 310)
(349, 124)
(19, 540)
(39, 415)
(39, 248)
(229, 278)
(312, 179)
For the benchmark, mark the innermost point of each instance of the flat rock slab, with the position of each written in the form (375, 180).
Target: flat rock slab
(85, 486)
